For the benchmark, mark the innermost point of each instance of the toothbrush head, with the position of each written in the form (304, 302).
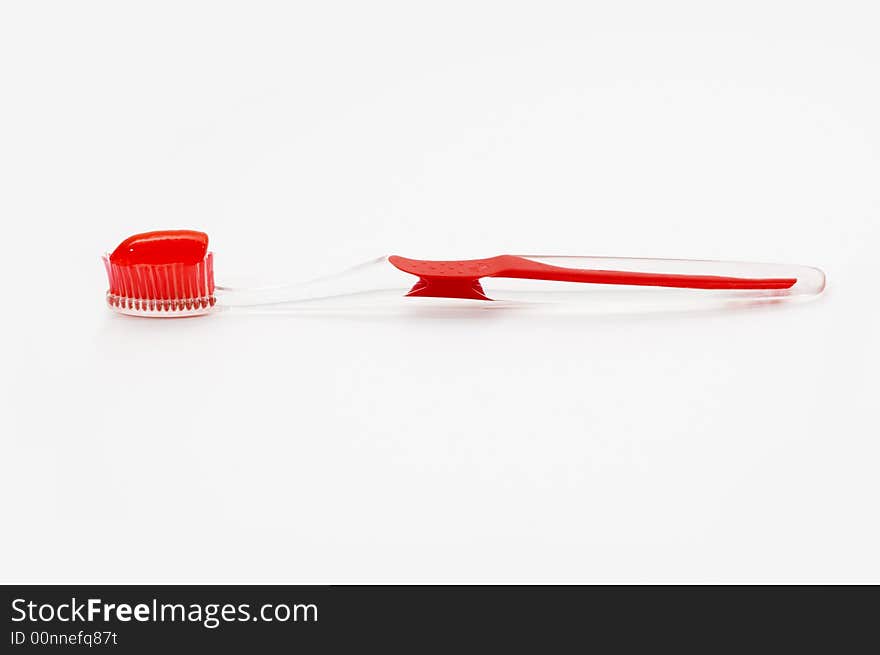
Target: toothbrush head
(164, 273)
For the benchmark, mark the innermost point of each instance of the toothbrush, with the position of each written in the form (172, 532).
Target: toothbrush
(170, 273)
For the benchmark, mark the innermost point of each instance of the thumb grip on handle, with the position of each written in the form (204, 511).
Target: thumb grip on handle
(461, 279)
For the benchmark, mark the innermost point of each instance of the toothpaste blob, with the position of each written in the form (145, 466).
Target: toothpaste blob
(161, 273)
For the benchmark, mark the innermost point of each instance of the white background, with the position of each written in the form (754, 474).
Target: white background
(721, 447)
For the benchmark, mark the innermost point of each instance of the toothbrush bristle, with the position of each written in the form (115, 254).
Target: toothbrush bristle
(166, 273)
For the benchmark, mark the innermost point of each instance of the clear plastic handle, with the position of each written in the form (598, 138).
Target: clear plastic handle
(594, 283)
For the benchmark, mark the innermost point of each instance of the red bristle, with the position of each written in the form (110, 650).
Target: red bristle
(162, 272)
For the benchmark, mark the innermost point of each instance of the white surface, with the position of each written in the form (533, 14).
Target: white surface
(737, 446)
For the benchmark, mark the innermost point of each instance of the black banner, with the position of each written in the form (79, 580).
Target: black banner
(149, 619)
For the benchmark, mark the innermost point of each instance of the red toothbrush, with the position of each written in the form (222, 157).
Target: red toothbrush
(170, 273)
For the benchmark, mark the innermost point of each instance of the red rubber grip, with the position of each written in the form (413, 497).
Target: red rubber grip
(461, 279)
